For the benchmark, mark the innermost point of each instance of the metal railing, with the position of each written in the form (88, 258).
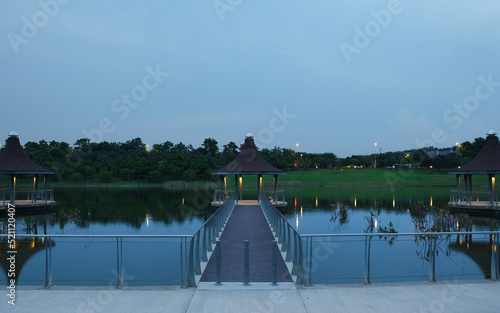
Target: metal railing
(204, 240)
(473, 197)
(33, 196)
(287, 237)
(221, 196)
(316, 256)
(93, 254)
(275, 197)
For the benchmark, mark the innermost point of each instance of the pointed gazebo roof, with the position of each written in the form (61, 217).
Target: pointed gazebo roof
(13, 159)
(487, 160)
(249, 162)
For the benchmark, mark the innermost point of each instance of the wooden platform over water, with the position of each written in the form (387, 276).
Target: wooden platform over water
(247, 222)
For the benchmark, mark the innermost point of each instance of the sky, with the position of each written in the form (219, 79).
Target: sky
(315, 76)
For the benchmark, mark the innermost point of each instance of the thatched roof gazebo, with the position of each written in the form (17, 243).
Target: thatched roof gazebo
(14, 162)
(248, 162)
(487, 162)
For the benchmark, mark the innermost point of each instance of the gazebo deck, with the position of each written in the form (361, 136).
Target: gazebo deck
(277, 204)
(475, 205)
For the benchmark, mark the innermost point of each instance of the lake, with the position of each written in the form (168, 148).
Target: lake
(160, 211)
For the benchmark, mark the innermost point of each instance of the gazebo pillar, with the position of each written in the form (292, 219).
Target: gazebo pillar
(12, 188)
(236, 188)
(458, 188)
(241, 187)
(467, 179)
(259, 187)
(275, 187)
(491, 185)
(35, 187)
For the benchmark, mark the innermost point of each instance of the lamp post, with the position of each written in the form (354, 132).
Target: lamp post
(375, 165)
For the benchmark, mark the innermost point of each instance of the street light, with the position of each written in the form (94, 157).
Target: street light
(375, 165)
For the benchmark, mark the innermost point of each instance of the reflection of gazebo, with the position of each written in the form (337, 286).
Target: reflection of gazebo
(248, 162)
(14, 162)
(25, 249)
(479, 252)
(487, 162)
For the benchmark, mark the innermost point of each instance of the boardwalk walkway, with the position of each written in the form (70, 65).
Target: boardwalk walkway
(247, 222)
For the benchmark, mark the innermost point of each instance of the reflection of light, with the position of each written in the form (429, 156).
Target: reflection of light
(393, 201)
(316, 201)
(32, 243)
(182, 200)
(431, 200)
(467, 246)
(43, 240)
(376, 223)
(457, 226)
(355, 201)
(297, 221)
(295, 201)
(147, 220)
(300, 211)
(460, 241)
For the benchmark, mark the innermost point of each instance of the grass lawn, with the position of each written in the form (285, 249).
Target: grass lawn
(368, 178)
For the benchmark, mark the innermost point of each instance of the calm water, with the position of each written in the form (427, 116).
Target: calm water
(152, 211)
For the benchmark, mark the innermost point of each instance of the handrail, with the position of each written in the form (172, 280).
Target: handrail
(287, 236)
(39, 195)
(194, 247)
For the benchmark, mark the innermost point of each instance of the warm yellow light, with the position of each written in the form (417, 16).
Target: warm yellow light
(301, 211)
(393, 201)
(355, 201)
(182, 200)
(32, 244)
(431, 201)
(316, 201)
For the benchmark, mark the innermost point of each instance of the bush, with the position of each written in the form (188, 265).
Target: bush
(105, 176)
(77, 177)
(154, 176)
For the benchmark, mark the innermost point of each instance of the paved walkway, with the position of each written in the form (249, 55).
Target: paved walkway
(247, 222)
(461, 297)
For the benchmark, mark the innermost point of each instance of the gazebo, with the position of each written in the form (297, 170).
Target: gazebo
(248, 162)
(487, 162)
(14, 162)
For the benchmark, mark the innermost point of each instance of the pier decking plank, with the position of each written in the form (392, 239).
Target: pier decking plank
(247, 222)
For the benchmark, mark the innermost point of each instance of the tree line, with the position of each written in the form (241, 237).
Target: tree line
(133, 160)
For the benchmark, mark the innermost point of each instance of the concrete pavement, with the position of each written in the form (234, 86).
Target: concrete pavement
(463, 296)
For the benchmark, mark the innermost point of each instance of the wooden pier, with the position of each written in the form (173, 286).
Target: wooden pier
(247, 222)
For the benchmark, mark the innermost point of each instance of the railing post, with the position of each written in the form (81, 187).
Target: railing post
(246, 264)
(432, 258)
(119, 261)
(48, 263)
(367, 276)
(190, 260)
(275, 263)
(218, 262)
(494, 257)
(197, 258)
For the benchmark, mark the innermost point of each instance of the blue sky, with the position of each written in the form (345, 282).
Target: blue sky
(333, 76)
